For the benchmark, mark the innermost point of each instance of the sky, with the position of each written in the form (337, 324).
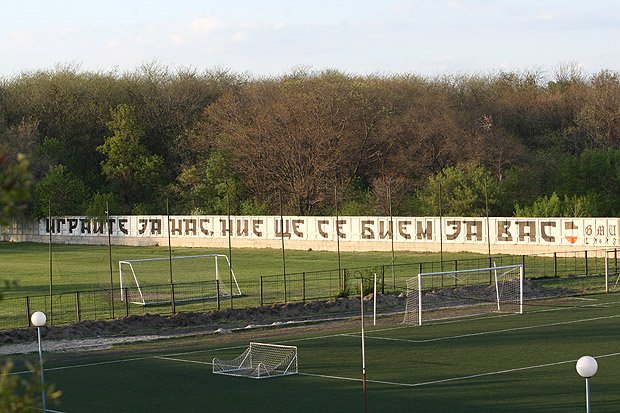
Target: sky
(275, 37)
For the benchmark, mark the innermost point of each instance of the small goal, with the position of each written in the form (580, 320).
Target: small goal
(155, 281)
(260, 361)
(449, 294)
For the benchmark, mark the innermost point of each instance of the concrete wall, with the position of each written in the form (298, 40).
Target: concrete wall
(501, 234)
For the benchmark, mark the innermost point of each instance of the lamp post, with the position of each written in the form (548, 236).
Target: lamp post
(38, 319)
(587, 367)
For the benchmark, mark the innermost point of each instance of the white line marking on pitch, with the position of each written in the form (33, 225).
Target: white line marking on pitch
(182, 360)
(428, 340)
(472, 376)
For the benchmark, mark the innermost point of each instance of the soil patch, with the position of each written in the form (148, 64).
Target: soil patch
(91, 334)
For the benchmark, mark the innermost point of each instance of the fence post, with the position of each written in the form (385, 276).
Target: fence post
(28, 311)
(126, 302)
(284, 278)
(261, 290)
(78, 314)
(112, 302)
(586, 256)
(172, 297)
(303, 287)
(491, 272)
(383, 279)
(555, 264)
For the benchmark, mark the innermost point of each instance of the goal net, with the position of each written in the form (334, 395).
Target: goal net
(152, 281)
(462, 293)
(260, 361)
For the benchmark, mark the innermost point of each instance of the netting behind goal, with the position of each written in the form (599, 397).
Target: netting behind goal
(152, 281)
(260, 361)
(463, 293)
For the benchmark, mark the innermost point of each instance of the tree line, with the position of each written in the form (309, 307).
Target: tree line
(313, 142)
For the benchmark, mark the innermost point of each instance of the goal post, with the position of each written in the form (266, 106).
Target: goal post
(147, 281)
(460, 293)
(260, 361)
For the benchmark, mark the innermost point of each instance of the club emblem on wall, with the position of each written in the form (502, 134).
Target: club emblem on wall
(570, 232)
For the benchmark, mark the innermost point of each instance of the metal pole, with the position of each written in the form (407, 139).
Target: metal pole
(41, 367)
(363, 348)
(587, 395)
(606, 273)
(374, 296)
(169, 241)
(440, 229)
(107, 215)
(342, 282)
(49, 211)
(230, 264)
(283, 253)
(392, 235)
(486, 202)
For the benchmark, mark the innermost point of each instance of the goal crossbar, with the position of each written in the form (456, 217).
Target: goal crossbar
(466, 292)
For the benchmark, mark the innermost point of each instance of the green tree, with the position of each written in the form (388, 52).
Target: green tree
(15, 181)
(461, 191)
(99, 202)
(130, 170)
(554, 206)
(545, 206)
(19, 394)
(61, 189)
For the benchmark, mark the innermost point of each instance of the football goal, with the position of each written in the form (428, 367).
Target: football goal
(153, 281)
(448, 294)
(260, 361)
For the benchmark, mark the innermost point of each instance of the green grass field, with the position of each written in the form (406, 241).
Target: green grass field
(491, 363)
(87, 267)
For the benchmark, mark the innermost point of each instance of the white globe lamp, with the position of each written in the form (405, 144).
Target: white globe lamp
(38, 318)
(587, 367)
